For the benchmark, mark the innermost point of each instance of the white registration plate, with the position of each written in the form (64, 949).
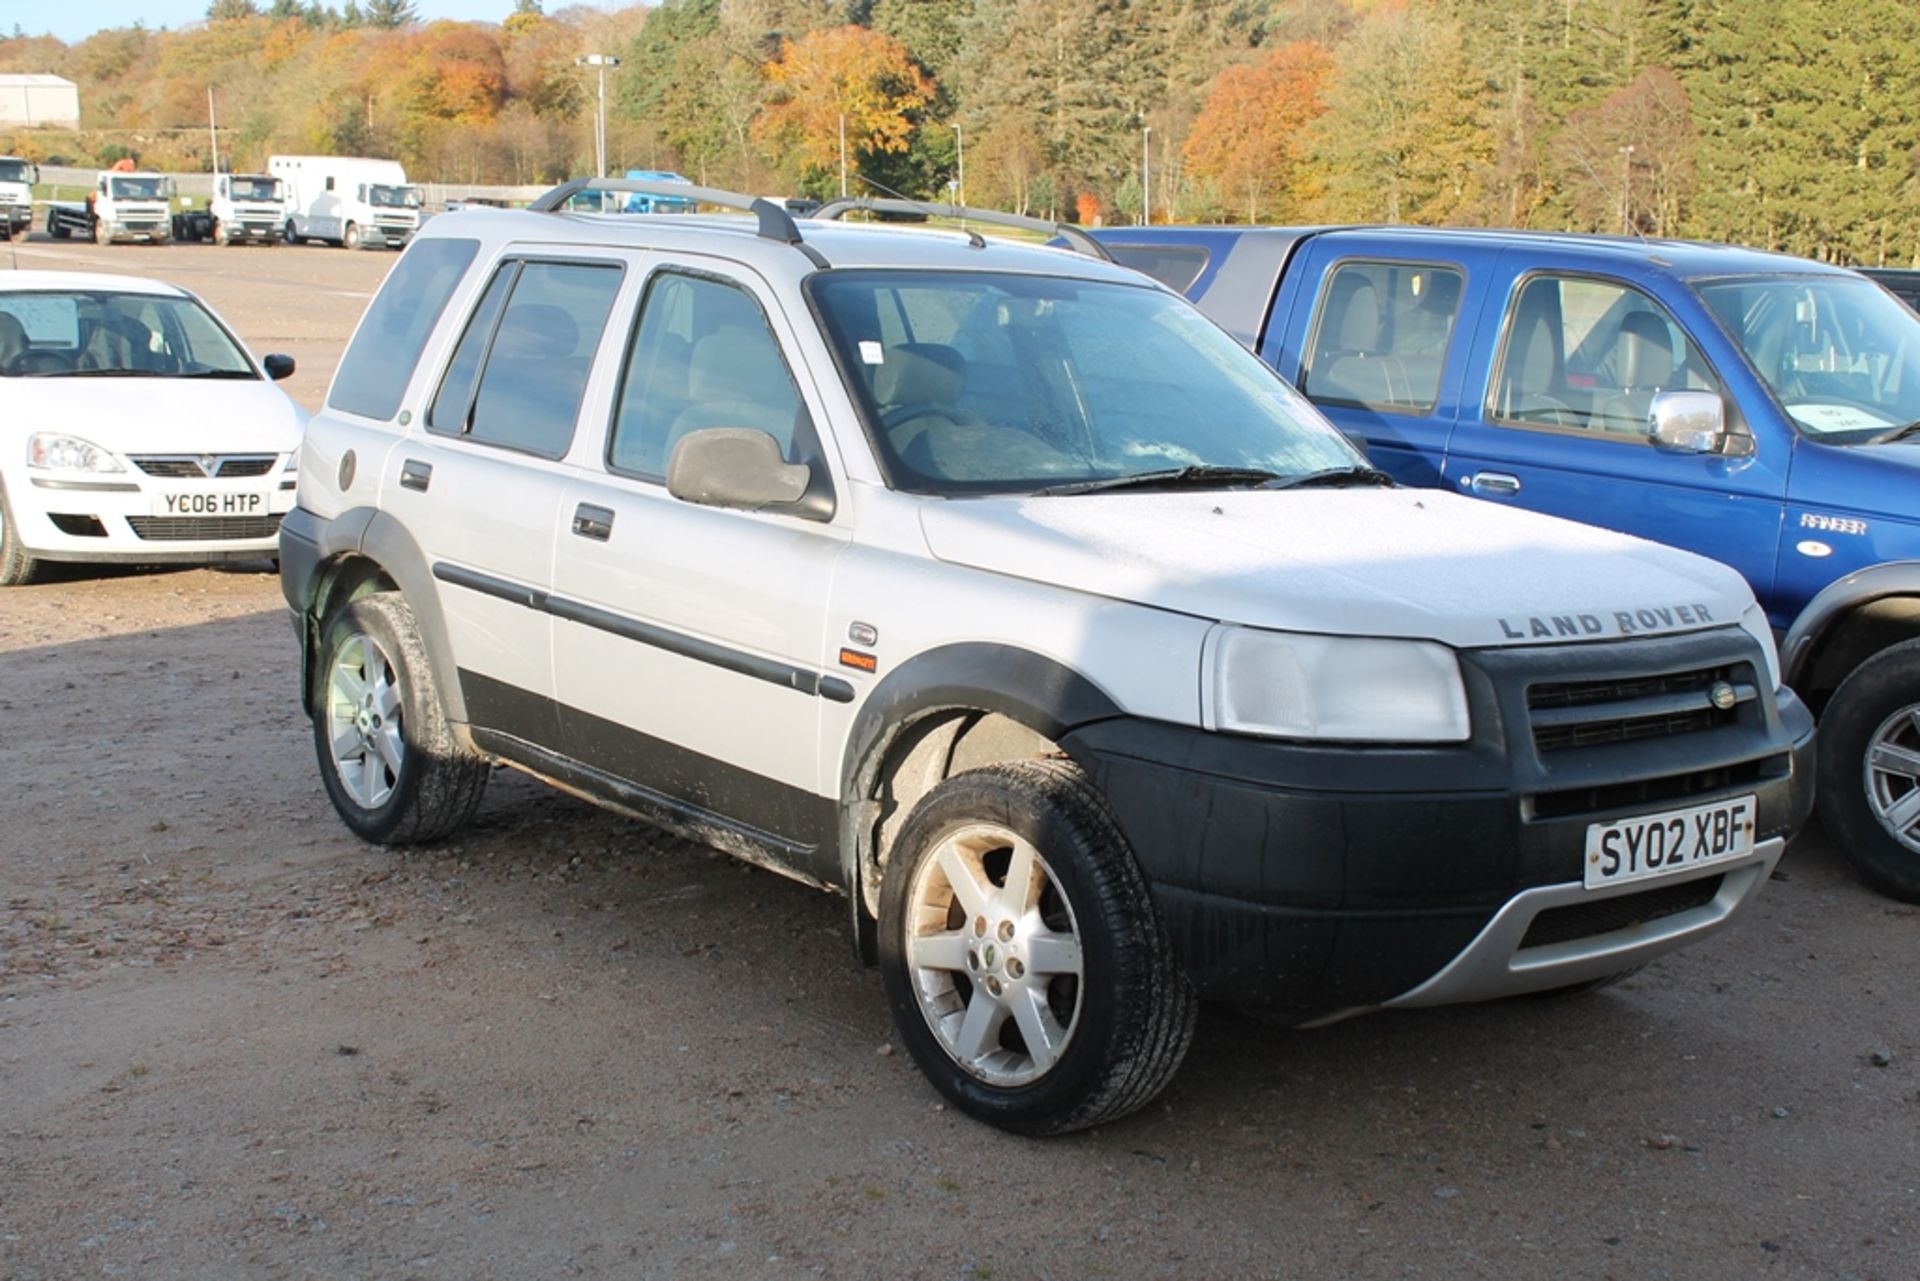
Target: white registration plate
(211, 503)
(1635, 849)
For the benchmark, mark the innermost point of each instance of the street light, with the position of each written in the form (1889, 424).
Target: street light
(960, 147)
(603, 63)
(1146, 175)
(1626, 189)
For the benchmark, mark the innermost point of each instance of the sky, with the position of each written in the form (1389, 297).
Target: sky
(78, 19)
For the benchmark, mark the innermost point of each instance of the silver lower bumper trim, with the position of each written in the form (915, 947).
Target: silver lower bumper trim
(1495, 965)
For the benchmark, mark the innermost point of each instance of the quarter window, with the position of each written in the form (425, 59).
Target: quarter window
(1381, 340)
(1590, 355)
(520, 370)
(380, 359)
(701, 356)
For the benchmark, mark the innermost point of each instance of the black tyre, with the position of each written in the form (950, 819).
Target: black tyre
(292, 236)
(391, 764)
(220, 236)
(1869, 783)
(1027, 971)
(350, 238)
(17, 568)
(102, 232)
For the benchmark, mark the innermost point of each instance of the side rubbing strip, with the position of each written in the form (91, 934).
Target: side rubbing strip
(771, 670)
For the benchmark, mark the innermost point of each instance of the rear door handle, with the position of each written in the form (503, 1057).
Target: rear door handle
(593, 522)
(416, 475)
(1493, 484)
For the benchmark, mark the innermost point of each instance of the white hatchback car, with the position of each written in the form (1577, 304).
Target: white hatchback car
(137, 428)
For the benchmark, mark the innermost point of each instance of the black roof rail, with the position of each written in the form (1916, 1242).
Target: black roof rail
(775, 223)
(1070, 232)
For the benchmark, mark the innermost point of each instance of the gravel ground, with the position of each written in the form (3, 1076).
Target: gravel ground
(235, 1042)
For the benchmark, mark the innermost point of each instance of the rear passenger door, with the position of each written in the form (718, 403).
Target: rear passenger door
(1375, 352)
(1570, 367)
(481, 486)
(689, 640)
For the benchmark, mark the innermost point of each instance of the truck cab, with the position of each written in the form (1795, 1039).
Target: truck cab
(17, 177)
(248, 207)
(1759, 409)
(123, 205)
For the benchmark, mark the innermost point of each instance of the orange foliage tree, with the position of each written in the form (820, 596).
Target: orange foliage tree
(1248, 137)
(848, 73)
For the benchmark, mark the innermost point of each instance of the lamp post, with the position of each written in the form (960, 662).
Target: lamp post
(960, 148)
(1626, 189)
(602, 63)
(1146, 175)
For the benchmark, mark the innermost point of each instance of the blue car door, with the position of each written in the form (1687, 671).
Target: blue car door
(1374, 335)
(1555, 415)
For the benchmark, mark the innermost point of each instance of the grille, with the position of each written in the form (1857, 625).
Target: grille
(183, 529)
(1641, 793)
(1604, 916)
(1577, 714)
(225, 466)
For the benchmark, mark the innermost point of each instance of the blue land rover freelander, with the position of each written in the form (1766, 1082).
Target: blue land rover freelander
(1760, 409)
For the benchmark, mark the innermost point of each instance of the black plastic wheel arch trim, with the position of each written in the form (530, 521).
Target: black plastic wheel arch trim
(1834, 601)
(773, 671)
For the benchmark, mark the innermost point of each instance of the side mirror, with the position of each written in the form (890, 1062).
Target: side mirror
(34, 174)
(734, 467)
(278, 366)
(1687, 422)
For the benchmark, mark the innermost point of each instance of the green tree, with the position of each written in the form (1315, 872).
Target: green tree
(391, 14)
(232, 10)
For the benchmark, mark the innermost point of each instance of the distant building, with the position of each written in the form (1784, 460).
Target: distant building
(39, 100)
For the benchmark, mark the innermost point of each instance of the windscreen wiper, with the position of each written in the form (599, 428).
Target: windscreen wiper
(97, 373)
(1332, 476)
(1196, 477)
(1896, 433)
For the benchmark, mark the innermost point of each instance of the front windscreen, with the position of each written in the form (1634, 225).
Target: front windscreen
(139, 188)
(14, 171)
(979, 382)
(1840, 355)
(393, 197)
(256, 189)
(100, 334)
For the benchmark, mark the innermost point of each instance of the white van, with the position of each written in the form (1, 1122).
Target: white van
(349, 200)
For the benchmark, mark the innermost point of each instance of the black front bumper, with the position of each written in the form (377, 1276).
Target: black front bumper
(1306, 879)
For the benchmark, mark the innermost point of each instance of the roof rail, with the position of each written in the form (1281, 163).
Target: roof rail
(1072, 234)
(775, 222)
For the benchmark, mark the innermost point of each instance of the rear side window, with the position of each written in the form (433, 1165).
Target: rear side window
(1175, 266)
(702, 356)
(374, 372)
(1382, 334)
(520, 370)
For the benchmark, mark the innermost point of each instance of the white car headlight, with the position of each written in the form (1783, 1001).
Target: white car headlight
(1291, 685)
(1754, 623)
(53, 451)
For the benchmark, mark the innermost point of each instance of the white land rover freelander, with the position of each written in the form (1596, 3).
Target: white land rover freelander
(990, 585)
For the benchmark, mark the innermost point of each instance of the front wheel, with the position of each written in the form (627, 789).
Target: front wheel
(292, 234)
(220, 236)
(388, 757)
(1869, 777)
(17, 568)
(350, 238)
(1027, 971)
(102, 232)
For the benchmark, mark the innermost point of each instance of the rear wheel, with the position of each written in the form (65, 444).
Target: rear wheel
(350, 238)
(1027, 971)
(388, 758)
(17, 568)
(1869, 785)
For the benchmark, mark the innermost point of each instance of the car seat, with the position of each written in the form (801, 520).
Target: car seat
(1643, 363)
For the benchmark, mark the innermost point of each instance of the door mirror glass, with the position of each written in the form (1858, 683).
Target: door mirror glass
(734, 467)
(1687, 422)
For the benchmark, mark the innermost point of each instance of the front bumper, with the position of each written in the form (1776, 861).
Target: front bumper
(18, 218)
(1311, 880)
(124, 517)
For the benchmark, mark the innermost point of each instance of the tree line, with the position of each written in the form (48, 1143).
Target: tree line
(1787, 124)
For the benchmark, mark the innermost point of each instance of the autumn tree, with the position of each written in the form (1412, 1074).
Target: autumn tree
(842, 83)
(1249, 137)
(1627, 163)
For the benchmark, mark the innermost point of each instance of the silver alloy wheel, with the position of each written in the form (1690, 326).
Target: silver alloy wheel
(363, 720)
(996, 965)
(1893, 775)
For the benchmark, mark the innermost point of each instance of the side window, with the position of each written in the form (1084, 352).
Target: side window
(520, 369)
(1381, 338)
(329, 182)
(701, 356)
(373, 374)
(1590, 355)
(1175, 266)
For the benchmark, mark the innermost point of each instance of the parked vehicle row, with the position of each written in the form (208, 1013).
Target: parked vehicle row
(1755, 408)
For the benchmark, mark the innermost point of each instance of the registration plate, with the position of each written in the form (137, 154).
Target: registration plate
(210, 503)
(1636, 849)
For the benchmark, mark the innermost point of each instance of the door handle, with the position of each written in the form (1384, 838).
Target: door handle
(415, 475)
(1493, 484)
(593, 522)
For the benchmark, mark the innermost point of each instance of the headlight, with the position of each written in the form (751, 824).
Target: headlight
(1288, 685)
(51, 451)
(1754, 623)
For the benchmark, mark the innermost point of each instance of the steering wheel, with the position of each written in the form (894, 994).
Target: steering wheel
(28, 363)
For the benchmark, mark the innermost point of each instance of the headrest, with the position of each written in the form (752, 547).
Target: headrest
(1643, 353)
(738, 365)
(1360, 319)
(920, 373)
(536, 331)
(13, 336)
